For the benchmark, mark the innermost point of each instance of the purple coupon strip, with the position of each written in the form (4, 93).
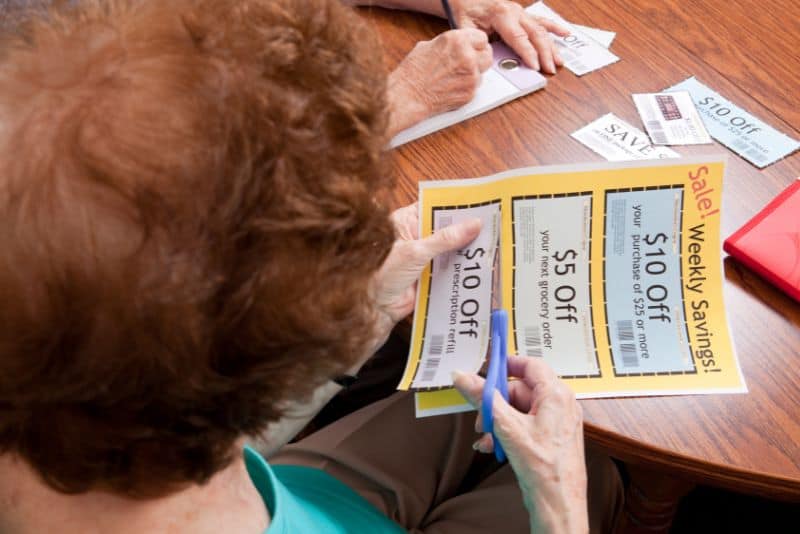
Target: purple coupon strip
(509, 65)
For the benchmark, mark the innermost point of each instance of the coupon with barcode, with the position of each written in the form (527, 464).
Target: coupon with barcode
(459, 296)
(552, 242)
(747, 135)
(581, 53)
(616, 140)
(671, 118)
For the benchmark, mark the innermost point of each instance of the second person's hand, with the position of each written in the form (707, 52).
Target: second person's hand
(437, 76)
(395, 284)
(528, 35)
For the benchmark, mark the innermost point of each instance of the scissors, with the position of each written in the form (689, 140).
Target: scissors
(497, 376)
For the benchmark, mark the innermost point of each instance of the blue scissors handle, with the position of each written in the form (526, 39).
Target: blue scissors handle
(497, 376)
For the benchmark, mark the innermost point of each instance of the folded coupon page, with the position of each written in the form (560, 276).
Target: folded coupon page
(611, 272)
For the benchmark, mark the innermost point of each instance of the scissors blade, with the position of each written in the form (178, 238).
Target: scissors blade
(496, 377)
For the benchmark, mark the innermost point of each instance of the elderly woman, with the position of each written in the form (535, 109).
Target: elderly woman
(194, 244)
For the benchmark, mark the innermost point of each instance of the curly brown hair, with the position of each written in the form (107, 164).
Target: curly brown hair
(190, 216)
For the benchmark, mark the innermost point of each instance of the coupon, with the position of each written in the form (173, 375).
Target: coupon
(552, 238)
(616, 140)
(748, 136)
(459, 296)
(581, 53)
(643, 285)
(671, 118)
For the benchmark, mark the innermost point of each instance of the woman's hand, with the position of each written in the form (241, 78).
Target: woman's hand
(541, 430)
(526, 34)
(394, 291)
(395, 284)
(437, 76)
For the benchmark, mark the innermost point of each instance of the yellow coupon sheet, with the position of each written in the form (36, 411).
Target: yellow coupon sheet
(611, 272)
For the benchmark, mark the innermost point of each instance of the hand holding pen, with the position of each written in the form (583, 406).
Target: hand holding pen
(444, 73)
(437, 76)
(526, 34)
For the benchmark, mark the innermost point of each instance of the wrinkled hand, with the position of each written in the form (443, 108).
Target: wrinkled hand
(437, 76)
(541, 430)
(394, 291)
(526, 34)
(396, 282)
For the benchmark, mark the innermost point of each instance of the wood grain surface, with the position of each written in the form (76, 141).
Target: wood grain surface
(743, 49)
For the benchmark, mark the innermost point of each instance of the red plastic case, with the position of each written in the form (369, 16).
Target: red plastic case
(770, 242)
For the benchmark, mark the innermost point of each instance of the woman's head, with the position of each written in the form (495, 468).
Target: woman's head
(188, 228)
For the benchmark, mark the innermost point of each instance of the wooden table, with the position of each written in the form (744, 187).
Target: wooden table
(745, 50)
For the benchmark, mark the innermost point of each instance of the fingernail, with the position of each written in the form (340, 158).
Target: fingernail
(474, 222)
(472, 226)
(476, 446)
(463, 377)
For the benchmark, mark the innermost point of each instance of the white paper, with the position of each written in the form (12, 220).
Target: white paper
(616, 140)
(604, 37)
(581, 53)
(671, 118)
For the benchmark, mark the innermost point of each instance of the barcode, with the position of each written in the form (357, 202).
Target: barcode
(431, 363)
(533, 341)
(436, 345)
(656, 133)
(625, 330)
(577, 66)
(626, 348)
(740, 144)
(629, 357)
(429, 372)
(755, 155)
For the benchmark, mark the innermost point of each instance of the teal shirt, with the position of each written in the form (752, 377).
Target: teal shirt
(303, 499)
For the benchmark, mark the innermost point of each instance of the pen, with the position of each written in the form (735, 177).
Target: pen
(449, 13)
